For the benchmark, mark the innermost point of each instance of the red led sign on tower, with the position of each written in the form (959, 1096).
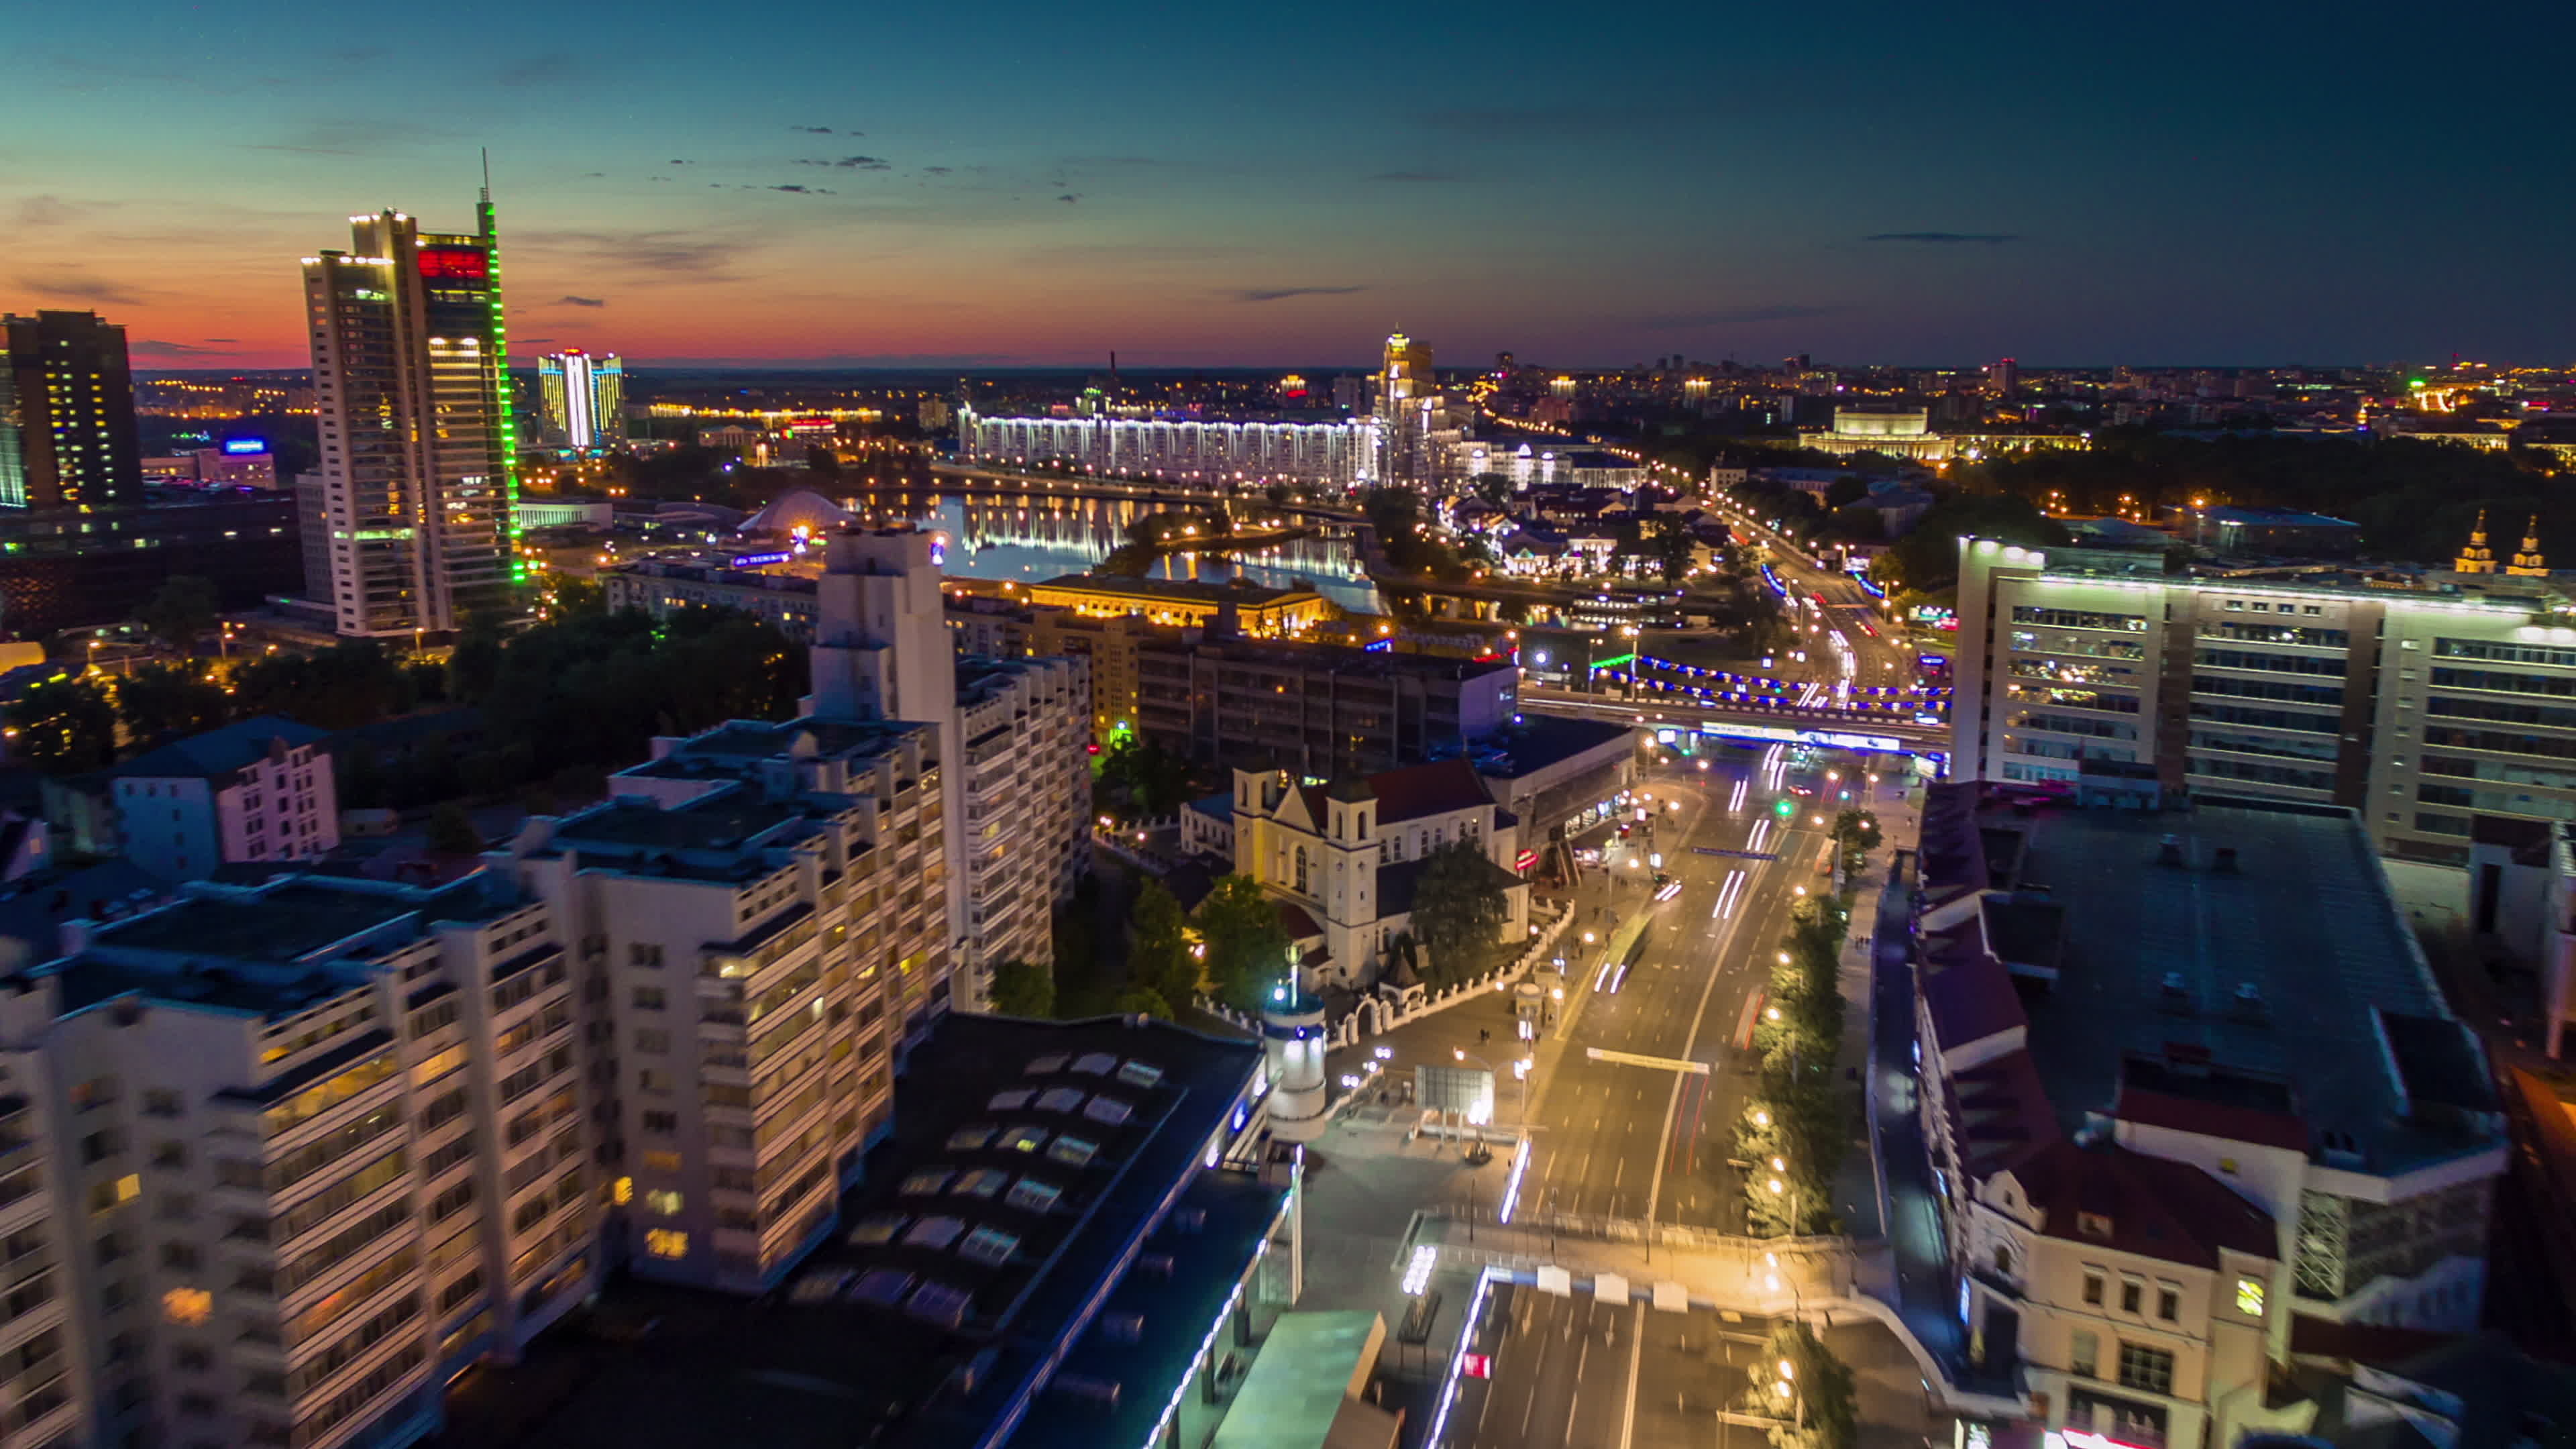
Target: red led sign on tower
(468, 264)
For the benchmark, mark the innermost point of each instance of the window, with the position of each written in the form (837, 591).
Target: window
(187, 1305)
(2168, 1302)
(2249, 1297)
(2084, 1358)
(654, 1042)
(2003, 1262)
(2146, 1368)
(649, 998)
(2133, 1295)
(671, 1243)
(664, 1203)
(661, 1124)
(2093, 1289)
(661, 1160)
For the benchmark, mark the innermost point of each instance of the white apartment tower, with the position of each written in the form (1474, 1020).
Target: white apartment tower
(763, 918)
(320, 1144)
(1026, 781)
(411, 388)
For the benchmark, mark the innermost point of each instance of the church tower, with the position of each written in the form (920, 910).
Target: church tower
(2477, 558)
(2526, 559)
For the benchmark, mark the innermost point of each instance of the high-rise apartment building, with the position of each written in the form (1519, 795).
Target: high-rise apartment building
(1410, 413)
(2422, 701)
(1026, 797)
(584, 399)
(318, 1145)
(763, 915)
(411, 384)
(67, 437)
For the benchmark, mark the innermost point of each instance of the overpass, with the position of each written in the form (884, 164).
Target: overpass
(1823, 725)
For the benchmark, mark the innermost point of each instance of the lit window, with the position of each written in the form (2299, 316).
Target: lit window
(666, 1243)
(2249, 1297)
(663, 1204)
(187, 1305)
(624, 1191)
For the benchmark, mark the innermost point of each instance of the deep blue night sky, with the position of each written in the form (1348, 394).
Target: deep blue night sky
(1010, 183)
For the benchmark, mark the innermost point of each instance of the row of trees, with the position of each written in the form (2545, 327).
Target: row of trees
(1796, 1125)
(576, 695)
(1233, 948)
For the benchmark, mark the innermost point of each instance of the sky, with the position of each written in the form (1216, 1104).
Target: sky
(1003, 184)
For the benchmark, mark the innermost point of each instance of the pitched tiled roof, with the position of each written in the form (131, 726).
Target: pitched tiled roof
(1971, 1000)
(1433, 789)
(2155, 1207)
(1299, 925)
(2210, 1119)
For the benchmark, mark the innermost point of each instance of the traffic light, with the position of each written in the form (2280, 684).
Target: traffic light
(1784, 808)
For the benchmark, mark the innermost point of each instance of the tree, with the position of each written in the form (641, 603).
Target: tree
(1494, 488)
(64, 726)
(1247, 948)
(1022, 989)
(1813, 1395)
(474, 665)
(352, 683)
(1846, 491)
(181, 610)
(1669, 549)
(1158, 945)
(1926, 559)
(452, 832)
(1144, 1001)
(162, 701)
(1154, 780)
(1857, 828)
(1458, 909)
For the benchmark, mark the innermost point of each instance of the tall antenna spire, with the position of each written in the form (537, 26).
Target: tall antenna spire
(487, 174)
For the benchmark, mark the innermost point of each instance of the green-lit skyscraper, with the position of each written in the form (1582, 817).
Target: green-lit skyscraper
(411, 382)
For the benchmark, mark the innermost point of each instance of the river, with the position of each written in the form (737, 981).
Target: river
(1035, 536)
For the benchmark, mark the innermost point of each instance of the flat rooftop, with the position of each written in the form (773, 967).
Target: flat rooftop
(1328, 658)
(1184, 589)
(731, 749)
(1535, 742)
(2294, 967)
(975, 1253)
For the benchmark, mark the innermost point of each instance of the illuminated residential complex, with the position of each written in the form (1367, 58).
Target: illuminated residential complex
(584, 398)
(411, 374)
(1336, 452)
(67, 437)
(319, 1144)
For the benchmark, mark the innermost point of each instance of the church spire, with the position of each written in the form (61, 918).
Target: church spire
(2526, 559)
(2477, 558)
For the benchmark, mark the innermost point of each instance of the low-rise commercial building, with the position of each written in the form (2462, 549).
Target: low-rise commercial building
(2186, 1078)
(1074, 1222)
(259, 789)
(1236, 608)
(1320, 710)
